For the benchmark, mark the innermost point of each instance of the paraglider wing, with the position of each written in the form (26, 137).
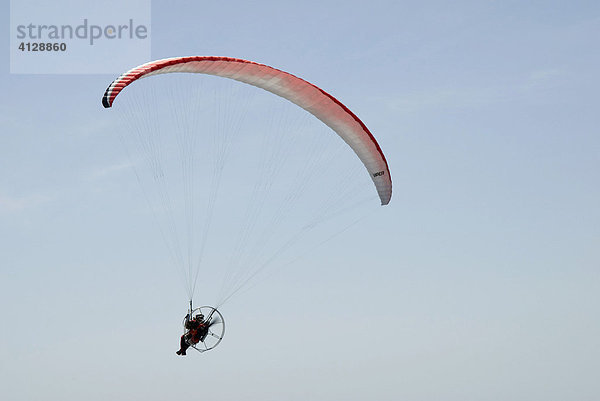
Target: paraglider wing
(298, 91)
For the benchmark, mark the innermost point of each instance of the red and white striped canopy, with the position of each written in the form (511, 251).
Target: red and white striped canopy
(298, 91)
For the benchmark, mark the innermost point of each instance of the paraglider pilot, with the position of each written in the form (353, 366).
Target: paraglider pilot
(196, 330)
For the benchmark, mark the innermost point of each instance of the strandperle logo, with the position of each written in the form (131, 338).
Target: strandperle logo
(85, 31)
(79, 37)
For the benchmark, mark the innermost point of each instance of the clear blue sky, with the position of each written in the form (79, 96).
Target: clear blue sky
(480, 281)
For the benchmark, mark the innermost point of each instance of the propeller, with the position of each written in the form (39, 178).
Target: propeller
(215, 320)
